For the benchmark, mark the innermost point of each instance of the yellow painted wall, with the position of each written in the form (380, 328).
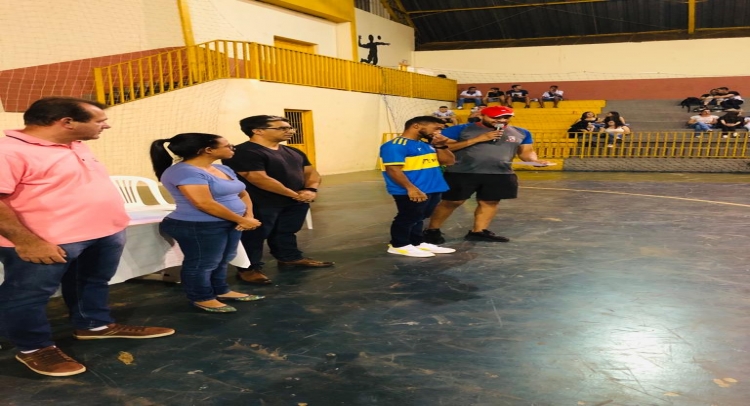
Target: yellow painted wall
(38, 32)
(339, 11)
(633, 60)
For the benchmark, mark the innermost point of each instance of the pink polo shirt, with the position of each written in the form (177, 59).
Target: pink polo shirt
(62, 193)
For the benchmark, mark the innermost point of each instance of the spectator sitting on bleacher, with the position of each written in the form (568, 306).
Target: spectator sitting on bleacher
(733, 100)
(613, 115)
(586, 124)
(476, 113)
(448, 116)
(730, 123)
(614, 131)
(714, 97)
(495, 95)
(517, 94)
(553, 94)
(703, 122)
(472, 95)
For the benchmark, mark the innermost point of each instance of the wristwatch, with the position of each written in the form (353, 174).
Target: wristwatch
(312, 189)
(443, 147)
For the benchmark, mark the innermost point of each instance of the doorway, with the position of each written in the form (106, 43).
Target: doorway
(303, 139)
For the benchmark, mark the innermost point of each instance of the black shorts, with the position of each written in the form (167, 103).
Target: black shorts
(488, 187)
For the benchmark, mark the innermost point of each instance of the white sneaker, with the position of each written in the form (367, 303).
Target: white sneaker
(435, 249)
(409, 251)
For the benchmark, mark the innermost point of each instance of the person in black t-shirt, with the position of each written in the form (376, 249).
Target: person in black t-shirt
(495, 95)
(281, 182)
(516, 94)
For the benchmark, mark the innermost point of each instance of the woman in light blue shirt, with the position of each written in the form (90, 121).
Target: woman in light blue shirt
(213, 209)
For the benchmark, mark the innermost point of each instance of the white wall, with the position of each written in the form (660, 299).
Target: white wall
(348, 126)
(244, 20)
(38, 32)
(399, 36)
(632, 60)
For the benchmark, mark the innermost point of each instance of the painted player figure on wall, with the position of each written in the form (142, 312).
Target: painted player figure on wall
(372, 56)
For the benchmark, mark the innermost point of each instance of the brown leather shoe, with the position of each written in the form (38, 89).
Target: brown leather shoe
(254, 276)
(306, 263)
(51, 361)
(122, 331)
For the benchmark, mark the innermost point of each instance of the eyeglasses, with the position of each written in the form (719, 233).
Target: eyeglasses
(278, 128)
(502, 117)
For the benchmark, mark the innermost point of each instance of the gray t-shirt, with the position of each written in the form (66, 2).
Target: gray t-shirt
(486, 157)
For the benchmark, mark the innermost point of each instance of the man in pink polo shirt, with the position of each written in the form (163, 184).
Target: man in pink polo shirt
(62, 222)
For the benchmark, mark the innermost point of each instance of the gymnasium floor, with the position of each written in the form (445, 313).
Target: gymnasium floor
(616, 289)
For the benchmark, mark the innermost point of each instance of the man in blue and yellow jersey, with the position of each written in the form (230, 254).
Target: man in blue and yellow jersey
(484, 152)
(411, 168)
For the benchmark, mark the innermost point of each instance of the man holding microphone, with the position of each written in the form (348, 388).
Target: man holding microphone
(484, 151)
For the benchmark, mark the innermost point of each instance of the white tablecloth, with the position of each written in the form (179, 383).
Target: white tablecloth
(146, 251)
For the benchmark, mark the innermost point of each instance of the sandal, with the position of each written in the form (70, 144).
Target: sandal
(254, 276)
(221, 309)
(246, 298)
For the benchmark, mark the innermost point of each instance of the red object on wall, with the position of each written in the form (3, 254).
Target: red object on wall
(20, 87)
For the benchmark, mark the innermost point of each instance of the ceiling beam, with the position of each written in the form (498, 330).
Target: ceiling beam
(553, 3)
(399, 15)
(587, 39)
(548, 38)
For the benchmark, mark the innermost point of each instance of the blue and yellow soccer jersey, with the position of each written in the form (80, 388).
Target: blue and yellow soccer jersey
(420, 165)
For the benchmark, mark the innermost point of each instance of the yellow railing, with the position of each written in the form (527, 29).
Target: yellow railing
(222, 59)
(638, 145)
(679, 144)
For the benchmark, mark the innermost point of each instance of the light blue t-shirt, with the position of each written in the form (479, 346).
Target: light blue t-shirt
(224, 191)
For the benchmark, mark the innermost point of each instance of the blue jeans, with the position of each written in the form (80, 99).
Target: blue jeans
(612, 136)
(85, 288)
(208, 247)
(279, 228)
(461, 100)
(407, 225)
(702, 127)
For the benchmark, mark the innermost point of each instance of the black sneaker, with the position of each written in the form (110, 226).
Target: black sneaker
(433, 236)
(485, 235)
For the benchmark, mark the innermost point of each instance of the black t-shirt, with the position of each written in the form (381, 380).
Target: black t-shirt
(496, 94)
(517, 93)
(286, 165)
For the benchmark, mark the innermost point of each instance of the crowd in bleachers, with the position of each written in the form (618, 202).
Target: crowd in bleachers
(505, 98)
(612, 125)
(719, 99)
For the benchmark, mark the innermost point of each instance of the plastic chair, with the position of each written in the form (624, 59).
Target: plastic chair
(128, 187)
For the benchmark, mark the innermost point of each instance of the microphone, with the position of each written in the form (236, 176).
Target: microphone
(499, 127)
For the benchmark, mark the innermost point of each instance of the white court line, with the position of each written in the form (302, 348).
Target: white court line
(638, 194)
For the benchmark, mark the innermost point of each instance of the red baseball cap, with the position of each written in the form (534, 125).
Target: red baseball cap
(497, 111)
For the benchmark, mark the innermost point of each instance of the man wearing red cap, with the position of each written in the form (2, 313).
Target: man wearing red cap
(484, 151)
